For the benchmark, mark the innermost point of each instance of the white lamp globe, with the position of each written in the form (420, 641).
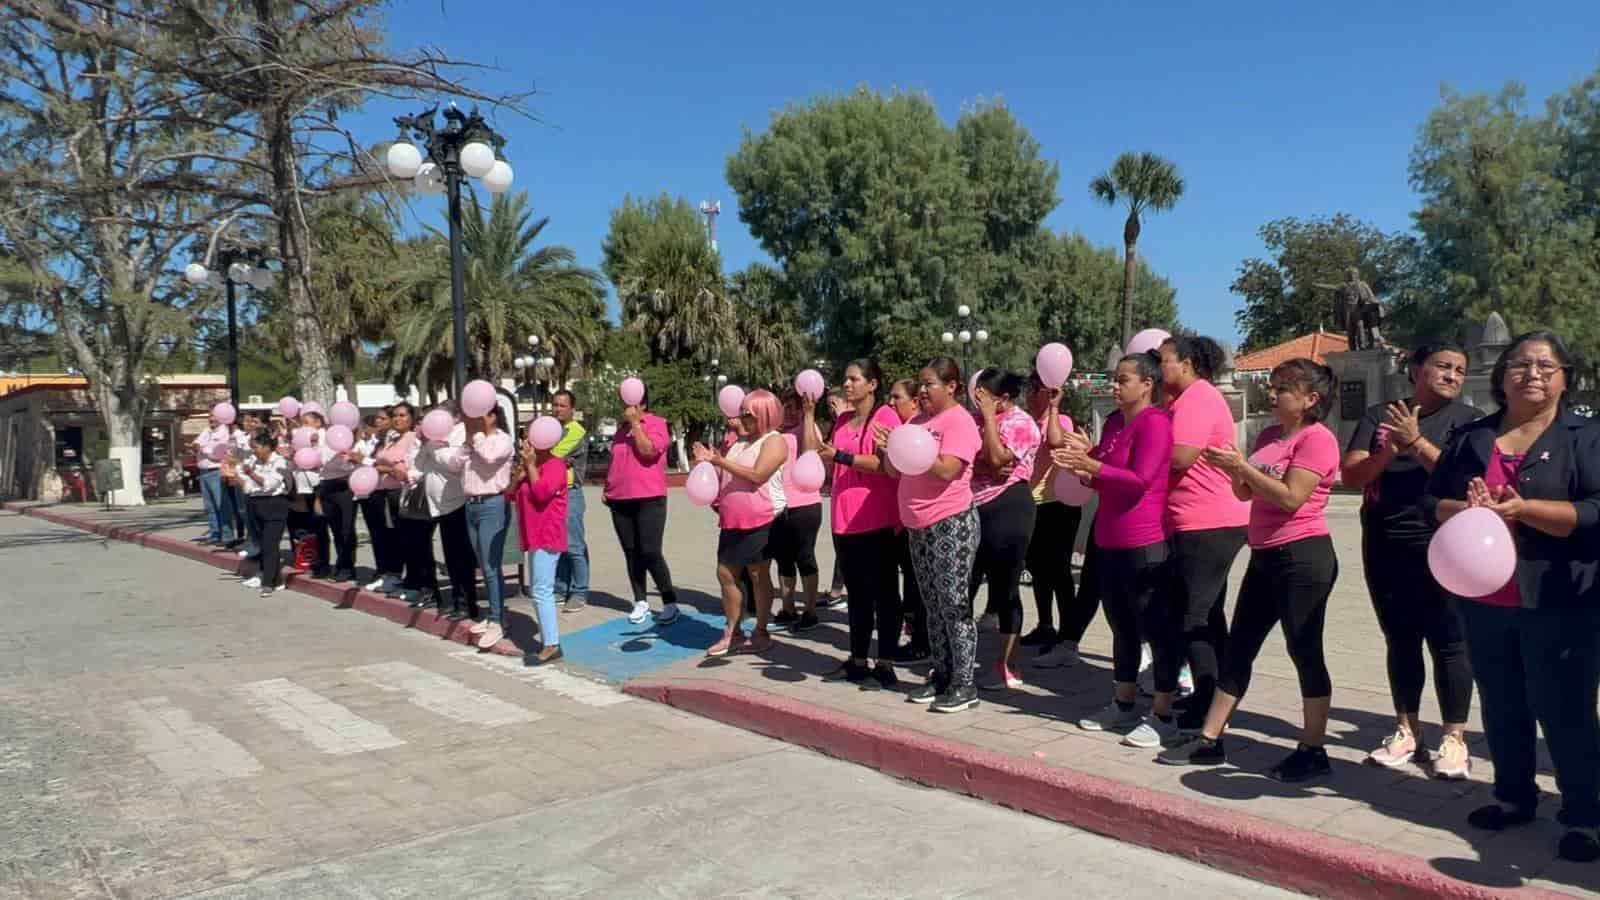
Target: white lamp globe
(519, 363)
(722, 379)
(965, 336)
(533, 340)
(238, 272)
(948, 338)
(477, 158)
(498, 180)
(429, 179)
(548, 362)
(963, 310)
(195, 273)
(982, 335)
(403, 159)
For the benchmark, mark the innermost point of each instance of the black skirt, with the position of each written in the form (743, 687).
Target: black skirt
(737, 548)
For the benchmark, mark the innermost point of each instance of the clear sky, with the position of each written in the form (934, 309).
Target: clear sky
(1269, 108)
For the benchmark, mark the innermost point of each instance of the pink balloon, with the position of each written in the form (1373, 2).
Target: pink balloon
(437, 424)
(1071, 491)
(340, 438)
(300, 438)
(808, 472)
(288, 407)
(477, 398)
(703, 484)
(632, 392)
(224, 413)
(217, 451)
(972, 384)
(912, 449)
(312, 407)
(544, 432)
(1146, 340)
(308, 458)
(1054, 363)
(1472, 555)
(363, 481)
(810, 384)
(730, 400)
(346, 414)
(1113, 359)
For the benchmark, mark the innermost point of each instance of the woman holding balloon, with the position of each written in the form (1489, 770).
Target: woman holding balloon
(539, 490)
(311, 454)
(1006, 512)
(794, 531)
(903, 403)
(211, 447)
(636, 494)
(1058, 500)
(932, 457)
(1533, 618)
(264, 479)
(485, 463)
(338, 501)
(392, 445)
(434, 468)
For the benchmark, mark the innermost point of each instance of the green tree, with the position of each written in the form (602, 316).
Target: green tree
(1144, 182)
(1082, 299)
(667, 278)
(769, 342)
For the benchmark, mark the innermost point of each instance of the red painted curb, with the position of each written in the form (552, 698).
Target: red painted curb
(1270, 852)
(396, 611)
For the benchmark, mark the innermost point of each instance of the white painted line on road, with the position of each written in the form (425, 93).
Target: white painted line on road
(183, 749)
(324, 724)
(573, 687)
(443, 696)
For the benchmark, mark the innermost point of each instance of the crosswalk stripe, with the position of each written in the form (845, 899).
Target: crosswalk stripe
(324, 724)
(443, 696)
(583, 690)
(183, 749)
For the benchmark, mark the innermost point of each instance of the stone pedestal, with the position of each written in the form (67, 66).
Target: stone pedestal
(1366, 377)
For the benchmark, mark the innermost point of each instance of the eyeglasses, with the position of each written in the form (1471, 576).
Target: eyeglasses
(1522, 368)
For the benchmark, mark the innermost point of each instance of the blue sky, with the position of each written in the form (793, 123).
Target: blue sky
(1270, 109)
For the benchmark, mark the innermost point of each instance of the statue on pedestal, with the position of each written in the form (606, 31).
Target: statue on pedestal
(1358, 310)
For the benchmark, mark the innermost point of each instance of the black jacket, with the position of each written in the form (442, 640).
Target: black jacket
(1563, 464)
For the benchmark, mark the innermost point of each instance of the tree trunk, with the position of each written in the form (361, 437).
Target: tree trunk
(123, 417)
(1130, 268)
(294, 242)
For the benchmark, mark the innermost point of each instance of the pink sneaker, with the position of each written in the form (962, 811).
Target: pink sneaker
(491, 636)
(478, 627)
(1453, 762)
(730, 643)
(1397, 750)
(1001, 678)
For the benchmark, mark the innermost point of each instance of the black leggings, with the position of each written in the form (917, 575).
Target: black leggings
(1139, 608)
(871, 566)
(1055, 531)
(381, 511)
(1413, 609)
(793, 544)
(1201, 561)
(641, 525)
(1076, 617)
(269, 516)
(1287, 586)
(339, 508)
(1005, 525)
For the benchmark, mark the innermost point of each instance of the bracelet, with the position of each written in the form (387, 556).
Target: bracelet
(1413, 443)
(842, 458)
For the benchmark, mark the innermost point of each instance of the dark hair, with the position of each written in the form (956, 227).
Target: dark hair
(1001, 383)
(1205, 354)
(571, 397)
(871, 371)
(1311, 377)
(1147, 364)
(946, 368)
(1558, 347)
(410, 410)
(266, 438)
(1425, 352)
(371, 419)
(909, 385)
(320, 417)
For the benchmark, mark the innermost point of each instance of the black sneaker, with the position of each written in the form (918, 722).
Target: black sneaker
(928, 693)
(1303, 764)
(829, 601)
(783, 621)
(1579, 846)
(883, 676)
(1043, 636)
(956, 699)
(1196, 751)
(850, 671)
(344, 575)
(457, 615)
(321, 574)
(804, 622)
(911, 655)
(1495, 817)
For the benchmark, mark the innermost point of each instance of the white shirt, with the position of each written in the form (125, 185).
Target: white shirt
(437, 465)
(203, 443)
(274, 476)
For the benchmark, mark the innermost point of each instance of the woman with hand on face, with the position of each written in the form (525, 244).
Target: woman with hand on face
(487, 460)
(1292, 566)
(750, 498)
(1535, 643)
(1055, 534)
(377, 508)
(434, 468)
(539, 490)
(636, 494)
(936, 510)
(1391, 453)
(1129, 469)
(391, 446)
(794, 531)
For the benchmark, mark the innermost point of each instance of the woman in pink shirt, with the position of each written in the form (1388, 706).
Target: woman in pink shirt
(1292, 565)
(794, 532)
(395, 444)
(636, 494)
(1006, 511)
(903, 402)
(539, 490)
(1129, 470)
(751, 496)
(936, 509)
(486, 463)
(864, 522)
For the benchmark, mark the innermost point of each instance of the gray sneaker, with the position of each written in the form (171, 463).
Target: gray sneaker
(1111, 718)
(1152, 733)
(575, 603)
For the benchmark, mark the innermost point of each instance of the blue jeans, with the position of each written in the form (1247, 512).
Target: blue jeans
(572, 572)
(219, 503)
(486, 530)
(542, 571)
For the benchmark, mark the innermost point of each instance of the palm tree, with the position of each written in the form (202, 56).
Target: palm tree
(1145, 182)
(769, 342)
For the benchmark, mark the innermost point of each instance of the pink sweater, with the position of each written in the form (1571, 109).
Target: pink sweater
(1135, 461)
(542, 508)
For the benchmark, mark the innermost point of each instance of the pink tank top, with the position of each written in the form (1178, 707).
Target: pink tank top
(743, 505)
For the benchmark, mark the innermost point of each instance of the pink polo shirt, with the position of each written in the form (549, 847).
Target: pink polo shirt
(1201, 496)
(542, 508)
(487, 468)
(1135, 464)
(862, 501)
(1313, 448)
(631, 476)
(925, 499)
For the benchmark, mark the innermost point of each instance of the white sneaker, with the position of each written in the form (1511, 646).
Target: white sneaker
(253, 581)
(669, 614)
(1111, 718)
(641, 611)
(989, 624)
(376, 584)
(1147, 672)
(1185, 681)
(244, 554)
(491, 636)
(479, 627)
(1151, 733)
(1060, 656)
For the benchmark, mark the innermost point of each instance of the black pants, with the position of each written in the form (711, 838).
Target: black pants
(871, 567)
(269, 516)
(911, 605)
(1075, 619)
(1005, 526)
(381, 511)
(1201, 561)
(794, 540)
(1412, 610)
(1540, 668)
(339, 508)
(1135, 583)
(1286, 586)
(641, 525)
(460, 561)
(416, 553)
(1055, 529)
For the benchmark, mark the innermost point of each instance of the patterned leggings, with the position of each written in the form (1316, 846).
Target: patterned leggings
(942, 556)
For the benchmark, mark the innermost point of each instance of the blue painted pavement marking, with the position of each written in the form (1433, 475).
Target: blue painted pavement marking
(619, 650)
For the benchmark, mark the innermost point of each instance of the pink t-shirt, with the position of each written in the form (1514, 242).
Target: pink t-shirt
(793, 496)
(488, 464)
(632, 477)
(1201, 497)
(925, 499)
(1020, 434)
(1135, 465)
(743, 505)
(395, 453)
(862, 501)
(542, 508)
(1313, 448)
(1502, 471)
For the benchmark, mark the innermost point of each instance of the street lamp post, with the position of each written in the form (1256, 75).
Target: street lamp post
(465, 147)
(964, 329)
(239, 265)
(531, 364)
(716, 380)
